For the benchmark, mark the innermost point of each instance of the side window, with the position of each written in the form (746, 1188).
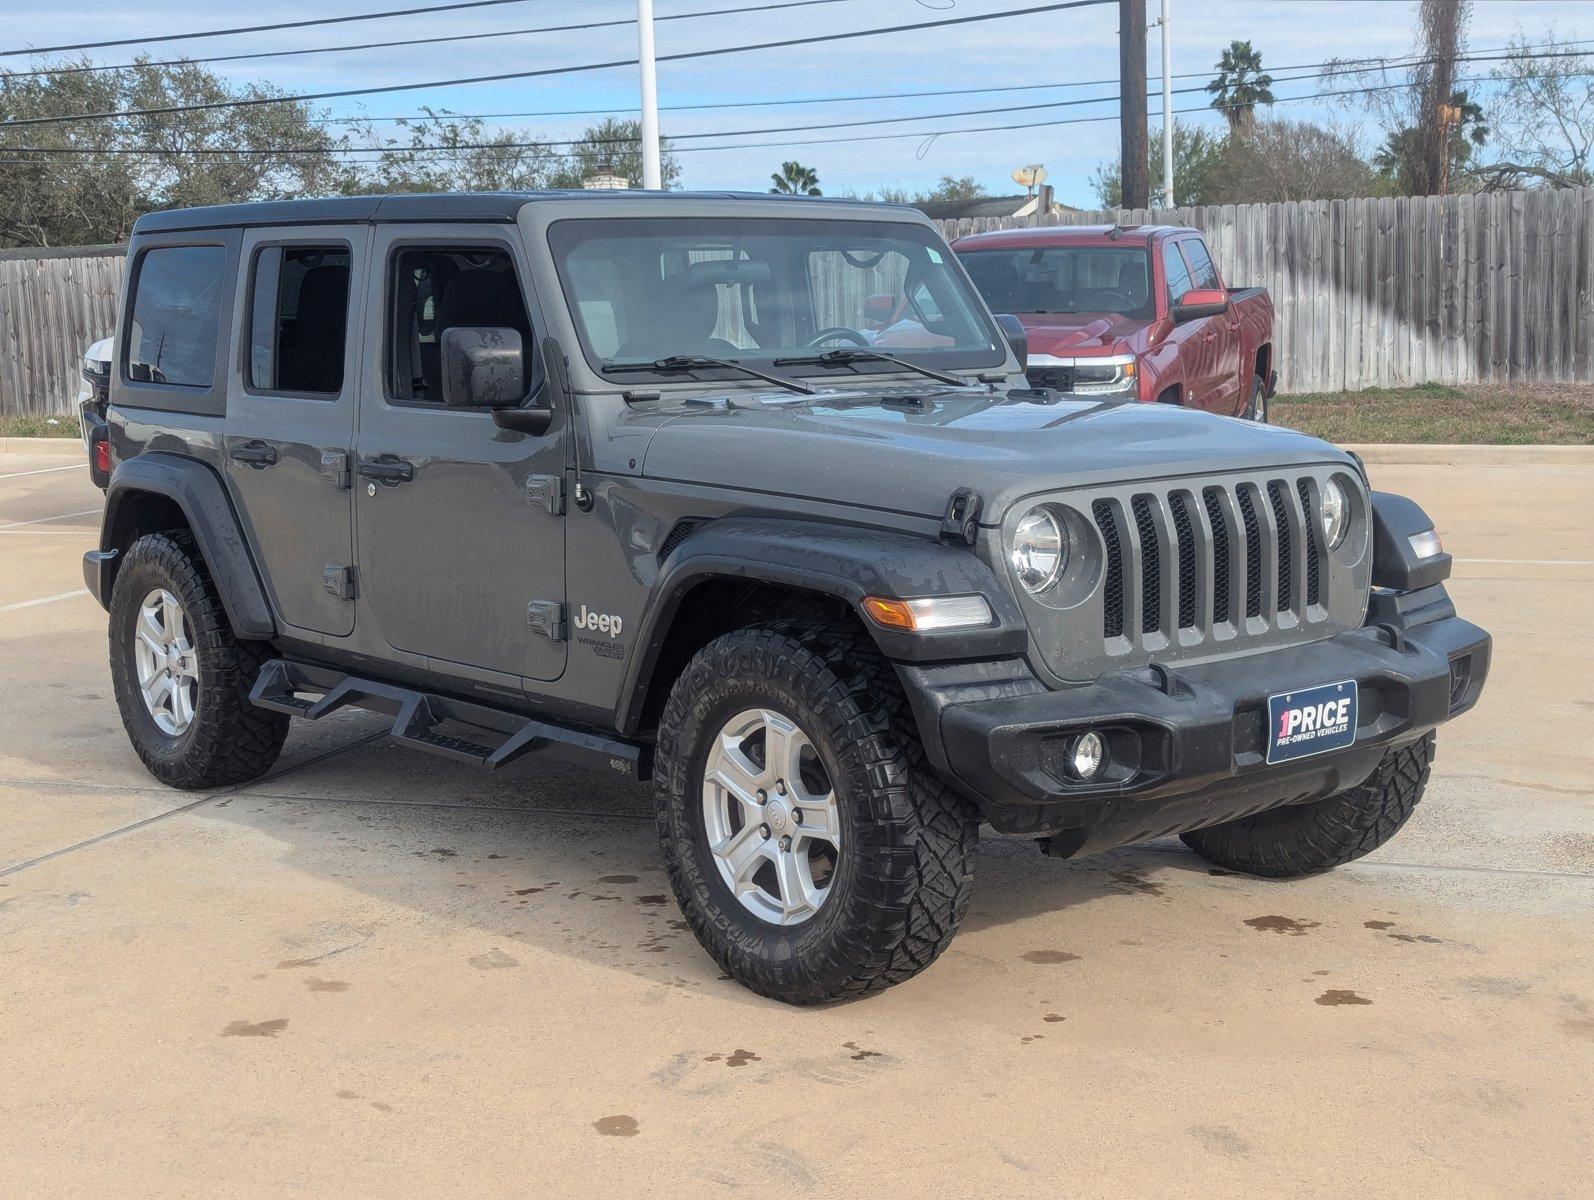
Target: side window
(1178, 274)
(176, 315)
(1202, 271)
(298, 319)
(434, 288)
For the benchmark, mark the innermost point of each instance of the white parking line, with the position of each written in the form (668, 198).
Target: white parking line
(44, 520)
(5, 608)
(1528, 562)
(43, 471)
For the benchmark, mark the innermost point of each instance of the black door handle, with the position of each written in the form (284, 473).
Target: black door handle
(386, 469)
(256, 454)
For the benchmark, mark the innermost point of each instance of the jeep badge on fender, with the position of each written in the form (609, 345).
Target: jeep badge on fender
(875, 591)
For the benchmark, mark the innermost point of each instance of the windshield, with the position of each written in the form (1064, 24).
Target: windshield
(757, 289)
(1064, 279)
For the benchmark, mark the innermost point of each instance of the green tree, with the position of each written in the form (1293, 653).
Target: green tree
(1241, 85)
(1542, 117)
(613, 146)
(1401, 159)
(794, 179)
(1196, 154)
(444, 153)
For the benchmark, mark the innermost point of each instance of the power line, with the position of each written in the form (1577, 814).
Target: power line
(91, 68)
(544, 72)
(206, 33)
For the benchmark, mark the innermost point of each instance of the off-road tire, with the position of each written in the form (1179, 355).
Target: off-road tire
(1303, 839)
(905, 872)
(1256, 408)
(229, 740)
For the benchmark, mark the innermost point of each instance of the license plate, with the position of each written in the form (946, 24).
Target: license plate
(1311, 721)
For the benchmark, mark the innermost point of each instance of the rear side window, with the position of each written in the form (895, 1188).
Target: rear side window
(176, 315)
(298, 319)
(1202, 271)
(1178, 274)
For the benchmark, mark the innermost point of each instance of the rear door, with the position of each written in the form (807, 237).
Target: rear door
(1221, 340)
(293, 386)
(460, 525)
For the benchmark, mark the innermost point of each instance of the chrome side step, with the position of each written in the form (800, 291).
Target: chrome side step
(301, 690)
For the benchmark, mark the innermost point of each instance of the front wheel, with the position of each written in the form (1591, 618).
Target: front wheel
(812, 851)
(1302, 839)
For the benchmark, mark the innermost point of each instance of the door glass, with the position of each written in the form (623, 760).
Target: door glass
(1202, 271)
(298, 323)
(176, 315)
(435, 288)
(1178, 274)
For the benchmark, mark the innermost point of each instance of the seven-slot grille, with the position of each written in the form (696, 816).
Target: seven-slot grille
(1181, 562)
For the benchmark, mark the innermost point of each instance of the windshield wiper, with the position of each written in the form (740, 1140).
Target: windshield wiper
(697, 362)
(845, 357)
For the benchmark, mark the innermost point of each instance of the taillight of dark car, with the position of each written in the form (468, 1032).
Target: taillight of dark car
(100, 455)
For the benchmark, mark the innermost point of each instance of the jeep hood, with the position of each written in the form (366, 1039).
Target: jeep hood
(876, 451)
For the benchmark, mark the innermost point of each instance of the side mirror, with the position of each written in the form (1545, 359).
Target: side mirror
(878, 309)
(482, 368)
(1203, 302)
(1013, 330)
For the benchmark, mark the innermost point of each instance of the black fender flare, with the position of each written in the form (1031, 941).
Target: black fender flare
(833, 560)
(199, 492)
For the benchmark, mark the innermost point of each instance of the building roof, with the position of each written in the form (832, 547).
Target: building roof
(443, 206)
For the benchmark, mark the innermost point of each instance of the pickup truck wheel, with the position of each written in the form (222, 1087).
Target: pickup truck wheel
(1256, 410)
(181, 678)
(1302, 839)
(810, 847)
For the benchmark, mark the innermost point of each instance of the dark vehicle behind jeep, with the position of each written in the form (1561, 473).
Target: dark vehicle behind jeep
(749, 497)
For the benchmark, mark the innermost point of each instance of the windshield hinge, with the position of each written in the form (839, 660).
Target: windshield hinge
(961, 523)
(547, 491)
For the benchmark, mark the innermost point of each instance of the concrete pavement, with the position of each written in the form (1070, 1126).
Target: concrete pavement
(376, 974)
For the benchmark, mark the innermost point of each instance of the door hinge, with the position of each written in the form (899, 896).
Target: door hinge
(335, 468)
(339, 581)
(548, 491)
(547, 617)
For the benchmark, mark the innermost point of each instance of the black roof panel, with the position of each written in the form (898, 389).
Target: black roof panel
(445, 206)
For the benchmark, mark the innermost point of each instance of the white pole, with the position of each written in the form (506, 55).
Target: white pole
(1167, 108)
(652, 175)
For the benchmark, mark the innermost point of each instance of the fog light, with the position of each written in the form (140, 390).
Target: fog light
(1087, 755)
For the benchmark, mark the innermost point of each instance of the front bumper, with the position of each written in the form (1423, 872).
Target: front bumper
(1187, 744)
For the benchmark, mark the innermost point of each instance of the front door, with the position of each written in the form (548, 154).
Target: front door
(460, 532)
(293, 385)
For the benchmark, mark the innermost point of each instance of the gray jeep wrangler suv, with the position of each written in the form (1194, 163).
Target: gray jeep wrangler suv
(747, 496)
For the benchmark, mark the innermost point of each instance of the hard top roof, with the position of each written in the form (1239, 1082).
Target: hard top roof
(445, 206)
(1065, 235)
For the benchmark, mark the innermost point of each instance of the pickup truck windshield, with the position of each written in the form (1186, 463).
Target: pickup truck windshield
(1064, 279)
(759, 289)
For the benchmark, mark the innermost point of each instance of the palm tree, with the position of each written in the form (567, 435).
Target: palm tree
(794, 179)
(1241, 85)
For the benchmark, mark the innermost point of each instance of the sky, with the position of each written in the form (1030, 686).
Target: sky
(1067, 48)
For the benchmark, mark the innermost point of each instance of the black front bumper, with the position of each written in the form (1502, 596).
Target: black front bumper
(1187, 745)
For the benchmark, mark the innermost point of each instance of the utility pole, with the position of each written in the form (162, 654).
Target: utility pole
(1167, 105)
(1132, 102)
(652, 173)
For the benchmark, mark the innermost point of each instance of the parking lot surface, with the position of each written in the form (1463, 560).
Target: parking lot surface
(377, 974)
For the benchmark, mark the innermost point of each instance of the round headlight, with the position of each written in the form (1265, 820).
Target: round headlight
(1039, 550)
(1336, 514)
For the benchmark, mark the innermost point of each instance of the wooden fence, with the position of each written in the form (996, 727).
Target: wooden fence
(1368, 293)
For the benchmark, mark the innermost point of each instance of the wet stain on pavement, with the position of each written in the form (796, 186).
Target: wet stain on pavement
(1416, 937)
(265, 1029)
(1031, 1037)
(737, 1058)
(1053, 1018)
(616, 878)
(494, 960)
(1133, 882)
(1220, 1139)
(326, 985)
(617, 1126)
(529, 891)
(859, 1054)
(652, 899)
(1276, 924)
(1050, 957)
(1579, 1027)
(1337, 996)
(1218, 871)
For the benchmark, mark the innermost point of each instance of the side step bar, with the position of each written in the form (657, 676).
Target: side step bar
(301, 690)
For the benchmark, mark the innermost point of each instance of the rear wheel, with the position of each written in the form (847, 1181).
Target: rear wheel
(1256, 410)
(181, 678)
(1302, 839)
(810, 847)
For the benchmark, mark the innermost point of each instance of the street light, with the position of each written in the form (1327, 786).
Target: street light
(652, 176)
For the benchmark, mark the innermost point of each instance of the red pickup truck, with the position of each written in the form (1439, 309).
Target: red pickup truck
(1133, 311)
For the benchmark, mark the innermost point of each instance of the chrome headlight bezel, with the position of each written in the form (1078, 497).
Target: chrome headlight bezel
(1038, 552)
(1108, 375)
